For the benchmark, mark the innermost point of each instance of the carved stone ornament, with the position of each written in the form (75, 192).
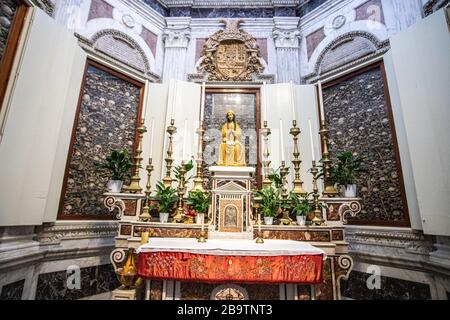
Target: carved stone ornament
(231, 54)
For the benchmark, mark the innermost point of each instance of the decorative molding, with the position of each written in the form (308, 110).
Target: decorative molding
(51, 233)
(237, 42)
(118, 35)
(228, 3)
(88, 46)
(381, 47)
(338, 22)
(177, 38)
(286, 38)
(128, 20)
(46, 5)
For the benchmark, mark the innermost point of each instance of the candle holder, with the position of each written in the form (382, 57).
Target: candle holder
(145, 216)
(266, 162)
(134, 186)
(298, 183)
(318, 219)
(178, 217)
(329, 189)
(284, 171)
(167, 180)
(198, 181)
(202, 237)
(259, 234)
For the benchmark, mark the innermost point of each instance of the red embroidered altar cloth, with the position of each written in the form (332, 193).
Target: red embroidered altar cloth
(275, 261)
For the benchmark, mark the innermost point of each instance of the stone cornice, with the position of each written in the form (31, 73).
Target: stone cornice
(229, 3)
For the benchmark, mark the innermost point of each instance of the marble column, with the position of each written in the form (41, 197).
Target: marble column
(287, 45)
(176, 40)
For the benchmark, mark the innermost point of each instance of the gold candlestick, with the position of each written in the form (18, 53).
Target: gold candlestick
(178, 217)
(298, 183)
(134, 186)
(198, 181)
(266, 162)
(171, 130)
(284, 171)
(144, 237)
(145, 216)
(202, 237)
(329, 189)
(318, 219)
(259, 238)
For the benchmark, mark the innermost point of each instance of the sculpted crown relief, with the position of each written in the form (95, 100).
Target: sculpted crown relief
(231, 54)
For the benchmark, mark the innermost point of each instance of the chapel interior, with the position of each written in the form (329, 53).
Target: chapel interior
(224, 150)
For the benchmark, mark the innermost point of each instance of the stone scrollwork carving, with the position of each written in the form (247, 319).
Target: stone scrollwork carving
(177, 38)
(113, 203)
(117, 257)
(231, 54)
(286, 38)
(349, 208)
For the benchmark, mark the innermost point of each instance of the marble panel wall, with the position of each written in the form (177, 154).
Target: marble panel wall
(7, 12)
(94, 280)
(106, 120)
(357, 115)
(12, 291)
(390, 288)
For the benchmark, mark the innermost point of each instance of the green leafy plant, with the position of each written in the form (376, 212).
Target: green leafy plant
(167, 197)
(199, 201)
(347, 168)
(275, 177)
(118, 164)
(300, 204)
(270, 201)
(187, 167)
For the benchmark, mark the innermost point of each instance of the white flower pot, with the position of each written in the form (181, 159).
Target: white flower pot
(349, 191)
(163, 217)
(200, 218)
(268, 220)
(301, 220)
(115, 186)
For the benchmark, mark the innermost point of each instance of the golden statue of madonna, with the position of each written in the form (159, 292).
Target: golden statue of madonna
(231, 152)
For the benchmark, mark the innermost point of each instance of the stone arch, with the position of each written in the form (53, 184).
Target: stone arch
(126, 49)
(334, 54)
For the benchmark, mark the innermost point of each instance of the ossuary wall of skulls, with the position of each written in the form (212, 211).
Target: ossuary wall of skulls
(358, 119)
(107, 121)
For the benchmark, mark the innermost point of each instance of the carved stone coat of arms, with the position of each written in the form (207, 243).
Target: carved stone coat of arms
(231, 54)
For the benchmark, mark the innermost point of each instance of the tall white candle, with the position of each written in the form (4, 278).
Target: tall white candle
(174, 98)
(322, 112)
(144, 101)
(281, 140)
(202, 102)
(184, 140)
(265, 100)
(152, 138)
(311, 138)
(293, 100)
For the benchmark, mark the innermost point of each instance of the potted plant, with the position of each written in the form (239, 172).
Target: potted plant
(118, 163)
(300, 207)
(345, 171)
(270, 203)
(167, 198)
(199, 202)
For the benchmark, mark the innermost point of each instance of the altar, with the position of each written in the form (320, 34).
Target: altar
(223, 261)
(214, 243)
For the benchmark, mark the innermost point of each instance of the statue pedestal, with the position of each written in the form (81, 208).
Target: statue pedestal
(231, 202)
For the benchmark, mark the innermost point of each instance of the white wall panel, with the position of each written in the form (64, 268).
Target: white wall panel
(36, 136)
(420, 61)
